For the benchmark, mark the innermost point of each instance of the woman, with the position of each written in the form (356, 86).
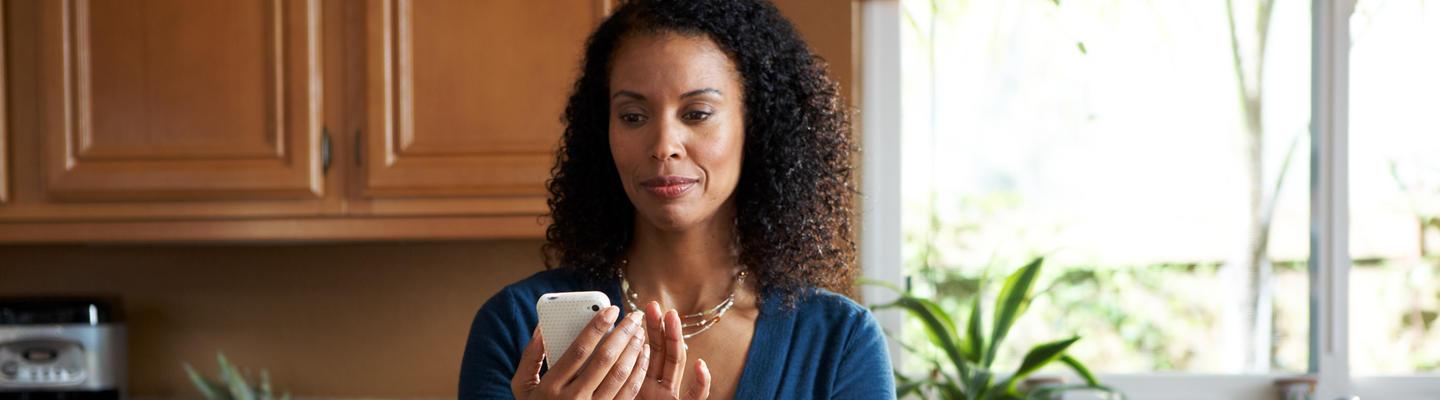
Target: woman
(704, 172)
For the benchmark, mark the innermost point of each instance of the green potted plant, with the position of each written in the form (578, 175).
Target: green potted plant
(230, 384)
(970, 373)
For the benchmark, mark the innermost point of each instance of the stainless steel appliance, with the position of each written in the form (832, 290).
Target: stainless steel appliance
(61, 348)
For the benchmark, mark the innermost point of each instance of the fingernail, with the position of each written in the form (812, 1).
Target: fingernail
(611, 313)
(636, 317)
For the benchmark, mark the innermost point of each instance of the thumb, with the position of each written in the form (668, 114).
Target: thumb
(700, 389)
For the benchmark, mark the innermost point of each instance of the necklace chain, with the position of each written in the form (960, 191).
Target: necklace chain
(694, 323)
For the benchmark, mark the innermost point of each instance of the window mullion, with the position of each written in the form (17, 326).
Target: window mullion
(880, 236)
(1329, 201)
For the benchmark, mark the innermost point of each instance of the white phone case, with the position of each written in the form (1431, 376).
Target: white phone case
(563, 316)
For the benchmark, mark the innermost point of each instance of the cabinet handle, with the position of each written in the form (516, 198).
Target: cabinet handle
(324, 150)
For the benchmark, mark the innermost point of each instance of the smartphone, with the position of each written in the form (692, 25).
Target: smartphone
(563, 316)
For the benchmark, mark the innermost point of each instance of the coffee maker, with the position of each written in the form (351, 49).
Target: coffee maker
(54, 348)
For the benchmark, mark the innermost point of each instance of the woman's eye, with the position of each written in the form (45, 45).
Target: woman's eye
(696, 115)
(632, 118)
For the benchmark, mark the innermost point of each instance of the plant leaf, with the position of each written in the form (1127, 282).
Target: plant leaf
(265, 391)
(239, 389)
(975, 332)
(979, 383)
(938, 325)
(1044, 354)
(946, 323)
(885, 284)
(948, 390)
(1080, 369)
(1037, 358)
(209, 390)
(1003, 395)
(1012, 301)
(907, 389)
(904, 386)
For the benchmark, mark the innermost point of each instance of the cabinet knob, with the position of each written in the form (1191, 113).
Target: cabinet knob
(325, 150)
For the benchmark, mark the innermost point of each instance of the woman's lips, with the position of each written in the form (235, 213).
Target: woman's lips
(669, 187)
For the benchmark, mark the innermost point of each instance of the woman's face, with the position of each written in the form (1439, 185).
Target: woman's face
(676, 127)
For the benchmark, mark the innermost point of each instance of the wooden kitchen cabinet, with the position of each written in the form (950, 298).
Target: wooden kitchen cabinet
(462, 101)
(463, 98)
(4, 122)
(284, 119)
(180, 99)
(292, 120)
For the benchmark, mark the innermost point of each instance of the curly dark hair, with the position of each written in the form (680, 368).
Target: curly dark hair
(795, 192)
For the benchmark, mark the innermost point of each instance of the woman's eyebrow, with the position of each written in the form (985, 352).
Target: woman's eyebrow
(698, 92)
(627, 93)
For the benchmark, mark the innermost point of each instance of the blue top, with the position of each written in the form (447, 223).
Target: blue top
(827, 346)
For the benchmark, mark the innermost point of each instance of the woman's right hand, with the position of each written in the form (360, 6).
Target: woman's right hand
(597, 366)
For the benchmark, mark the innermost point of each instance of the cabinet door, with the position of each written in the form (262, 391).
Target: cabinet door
(4, 121)
(464, 98)
(180, 99)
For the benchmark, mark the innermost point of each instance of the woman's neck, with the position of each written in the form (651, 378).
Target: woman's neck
(686, 270)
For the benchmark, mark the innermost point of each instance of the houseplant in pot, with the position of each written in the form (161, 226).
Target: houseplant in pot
(965, 369)
(231, 384)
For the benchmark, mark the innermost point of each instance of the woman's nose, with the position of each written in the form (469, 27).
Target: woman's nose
(669, 140)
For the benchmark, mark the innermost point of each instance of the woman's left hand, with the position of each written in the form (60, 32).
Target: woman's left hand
(667, 359)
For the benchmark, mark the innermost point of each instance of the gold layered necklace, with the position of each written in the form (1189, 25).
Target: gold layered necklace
(690, 324)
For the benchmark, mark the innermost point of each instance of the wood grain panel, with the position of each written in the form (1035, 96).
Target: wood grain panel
(180, 100)
(464, 98)
(4, 122)
(831, 29)
(274, 230)
(329, 321)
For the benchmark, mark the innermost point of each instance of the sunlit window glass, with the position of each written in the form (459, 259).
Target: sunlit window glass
(1395, 186)
(1156, 153)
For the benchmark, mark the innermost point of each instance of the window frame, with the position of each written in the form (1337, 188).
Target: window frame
(878, 42)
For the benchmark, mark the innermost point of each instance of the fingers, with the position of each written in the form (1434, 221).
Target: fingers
(674, 360)
(638, 376)
(584, 344)
(700, 386)
(614, 360)
(654, 318)
(527, 373)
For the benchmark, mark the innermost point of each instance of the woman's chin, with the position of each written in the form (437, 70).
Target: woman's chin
(671, 218)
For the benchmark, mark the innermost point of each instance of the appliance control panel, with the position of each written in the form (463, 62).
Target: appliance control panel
(41, 363)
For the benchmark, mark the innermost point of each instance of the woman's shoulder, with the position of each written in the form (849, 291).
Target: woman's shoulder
(836, 349)
(823, 309)
(548, 281)
(828, 302)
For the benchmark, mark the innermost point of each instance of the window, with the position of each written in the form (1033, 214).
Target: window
(1120, 141)
(1159, 155)
(1395, 187)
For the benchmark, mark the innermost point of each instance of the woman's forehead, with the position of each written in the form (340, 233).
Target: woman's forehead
(670, 65)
